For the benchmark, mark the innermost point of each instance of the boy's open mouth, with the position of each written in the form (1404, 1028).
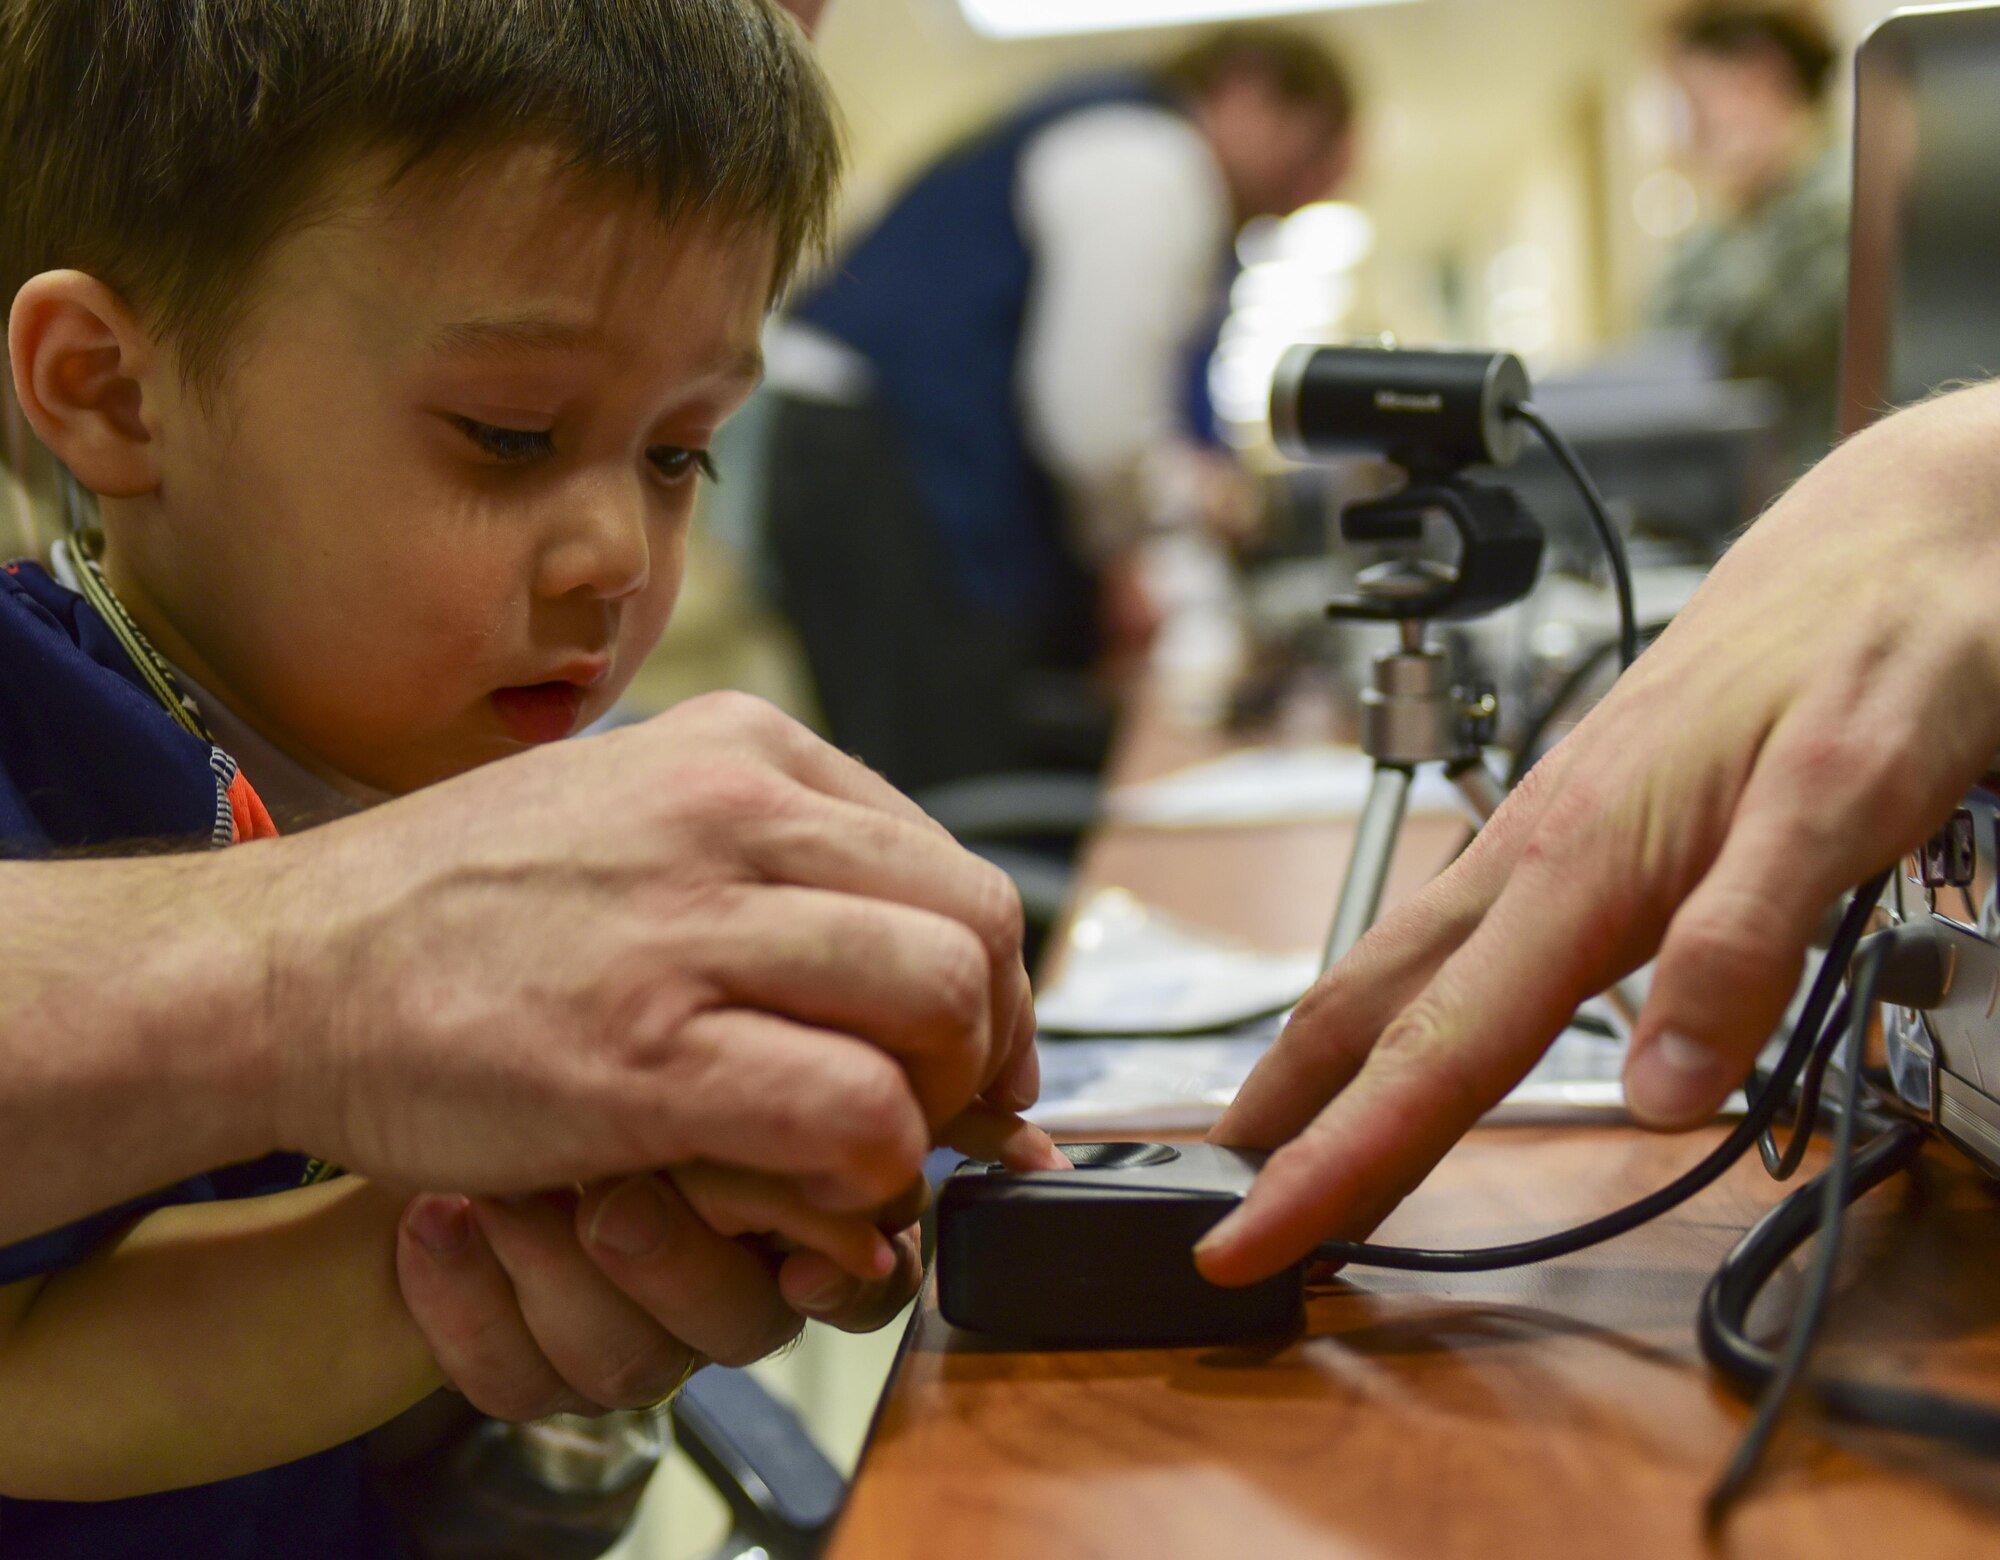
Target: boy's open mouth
(539, 712)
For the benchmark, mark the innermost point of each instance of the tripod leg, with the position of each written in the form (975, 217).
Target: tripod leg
(1483, 794)
(1368, 868)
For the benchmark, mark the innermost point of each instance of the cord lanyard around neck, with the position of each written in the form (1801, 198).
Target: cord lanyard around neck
(77, 558)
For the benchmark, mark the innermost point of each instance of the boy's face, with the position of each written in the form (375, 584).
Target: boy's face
(435, 509)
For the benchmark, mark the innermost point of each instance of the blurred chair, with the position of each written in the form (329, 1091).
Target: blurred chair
(783, 1495)
(1026, 824)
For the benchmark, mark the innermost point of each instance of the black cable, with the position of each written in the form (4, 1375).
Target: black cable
(1600, 519)
(1806, 1037)
(1783, 1166)
(1732, 1293)
(1834, 1197)
(1969, 1426)
(1748, 1366)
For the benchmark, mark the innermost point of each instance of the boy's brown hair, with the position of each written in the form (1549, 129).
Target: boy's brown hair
(164, 145)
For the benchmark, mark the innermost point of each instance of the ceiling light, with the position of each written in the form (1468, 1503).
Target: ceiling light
(1044, 18)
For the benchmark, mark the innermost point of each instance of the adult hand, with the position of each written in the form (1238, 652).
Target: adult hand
(582, 1304)
(1822, 704)
(602, 1300)
(709, 936)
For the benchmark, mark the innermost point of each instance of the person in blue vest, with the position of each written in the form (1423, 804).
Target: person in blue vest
(982, 404)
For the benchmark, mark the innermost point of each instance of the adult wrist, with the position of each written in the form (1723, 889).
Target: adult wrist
(279, 993)
(219, 1007)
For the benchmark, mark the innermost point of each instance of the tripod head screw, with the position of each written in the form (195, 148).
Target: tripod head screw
(1482, 713)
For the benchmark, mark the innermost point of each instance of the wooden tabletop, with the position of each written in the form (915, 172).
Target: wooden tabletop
(1555, 1411)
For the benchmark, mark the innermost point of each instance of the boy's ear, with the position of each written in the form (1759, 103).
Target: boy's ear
(807, 11)
(81, 363)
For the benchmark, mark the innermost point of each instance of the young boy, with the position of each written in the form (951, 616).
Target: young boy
(390, 337)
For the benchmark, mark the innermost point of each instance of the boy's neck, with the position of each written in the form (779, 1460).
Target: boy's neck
(298, 791)
(296, 796)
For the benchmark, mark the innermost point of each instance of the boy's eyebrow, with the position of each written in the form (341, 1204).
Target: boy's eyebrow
(544, 333)
(526, 333)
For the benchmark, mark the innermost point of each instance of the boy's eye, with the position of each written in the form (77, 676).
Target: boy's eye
(512, 445)
(674, 462)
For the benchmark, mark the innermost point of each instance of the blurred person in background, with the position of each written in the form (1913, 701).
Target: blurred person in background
(983, 408)
(1764, 284)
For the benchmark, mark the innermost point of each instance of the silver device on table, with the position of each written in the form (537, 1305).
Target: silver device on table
(1924, 313)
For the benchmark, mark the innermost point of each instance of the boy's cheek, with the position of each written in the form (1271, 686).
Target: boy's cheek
(647, 617)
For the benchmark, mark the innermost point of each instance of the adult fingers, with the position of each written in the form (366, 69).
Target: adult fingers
(603, 1344)
(1442, 1062)
(1331, 1033)
(855, 850)
(915, 983)
(804, 813)
(813, 1286)
(743, 1202)
(768, 1094)
(464, 1304)
(900, 1212)
(1001, 1137)
(716, 1294)
(1830, 802)
(1018, 1083)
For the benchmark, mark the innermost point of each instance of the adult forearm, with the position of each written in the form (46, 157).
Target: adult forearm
(131, 1029)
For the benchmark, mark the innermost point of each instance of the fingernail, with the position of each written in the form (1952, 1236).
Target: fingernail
(882, 1262)
(631, 1220)
(834, 1295)
(1674, 1078)
(442, 1225)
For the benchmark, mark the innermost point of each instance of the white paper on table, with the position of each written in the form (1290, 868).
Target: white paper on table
(1130, 970)
(1259, 786)
(1144, 1085)
(1185, 1085)
(1133, 972)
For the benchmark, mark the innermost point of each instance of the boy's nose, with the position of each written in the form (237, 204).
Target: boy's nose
(602, 550)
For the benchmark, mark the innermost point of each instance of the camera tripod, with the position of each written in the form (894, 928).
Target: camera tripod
(1414, 713)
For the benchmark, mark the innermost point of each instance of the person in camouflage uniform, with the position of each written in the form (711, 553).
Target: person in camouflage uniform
(1764, 286)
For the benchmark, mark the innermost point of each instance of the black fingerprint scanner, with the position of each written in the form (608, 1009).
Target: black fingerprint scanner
(1101, 1255)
